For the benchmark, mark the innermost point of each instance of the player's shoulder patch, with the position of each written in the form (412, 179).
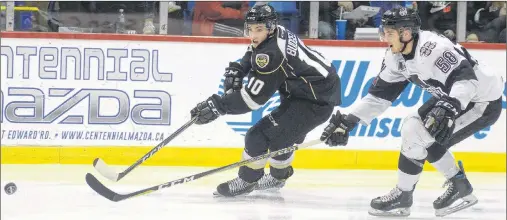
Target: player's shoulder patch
(432, 49)
(267, 60)
(262, 60)
(427, 48)
(433, 44)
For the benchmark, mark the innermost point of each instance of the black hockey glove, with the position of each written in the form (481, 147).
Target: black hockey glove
(233, 77)
(208, 110)
(337, 132)
(440, 120)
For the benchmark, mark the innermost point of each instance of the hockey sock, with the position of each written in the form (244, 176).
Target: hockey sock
(409, 171)
(250, 175)
(280, 167)
(443, 160)
(446, 165)
(254, 171)
(281, 173)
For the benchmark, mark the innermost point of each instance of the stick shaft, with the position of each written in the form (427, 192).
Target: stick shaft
(154, 150)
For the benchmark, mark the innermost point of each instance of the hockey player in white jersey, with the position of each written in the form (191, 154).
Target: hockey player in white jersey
(464, 100)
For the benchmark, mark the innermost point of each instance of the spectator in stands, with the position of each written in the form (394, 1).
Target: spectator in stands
(219, 18)
(473, 9)
(331, 11)
(488, 23)
(440, 16)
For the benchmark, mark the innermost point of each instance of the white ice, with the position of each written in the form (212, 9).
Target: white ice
(59, 192)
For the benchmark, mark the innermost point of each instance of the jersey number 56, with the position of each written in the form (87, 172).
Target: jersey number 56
(445, 62)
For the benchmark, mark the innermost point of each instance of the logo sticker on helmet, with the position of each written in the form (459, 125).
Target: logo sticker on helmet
(262, 60)
(403, 11)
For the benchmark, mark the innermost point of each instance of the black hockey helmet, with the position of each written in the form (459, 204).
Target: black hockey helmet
(261, 14)
(401, 18)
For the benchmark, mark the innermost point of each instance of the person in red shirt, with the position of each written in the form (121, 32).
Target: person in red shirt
(219, 18)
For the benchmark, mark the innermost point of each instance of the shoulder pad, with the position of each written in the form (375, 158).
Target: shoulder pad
(431, 50)
(427, 48)
(433, 42)
(267, 62)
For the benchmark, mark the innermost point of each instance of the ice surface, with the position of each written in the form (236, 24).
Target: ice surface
(59, 192)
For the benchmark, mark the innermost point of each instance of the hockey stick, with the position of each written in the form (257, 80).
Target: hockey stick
(115, 197)
(109, 173)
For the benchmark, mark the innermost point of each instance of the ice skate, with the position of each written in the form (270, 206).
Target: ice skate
(395, 203)
(458, 195)
(269, 183)
(234, 187)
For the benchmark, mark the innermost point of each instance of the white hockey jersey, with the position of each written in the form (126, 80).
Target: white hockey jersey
(438, 66)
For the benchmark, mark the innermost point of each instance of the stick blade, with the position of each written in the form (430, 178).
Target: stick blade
(102, 190)
(105, 192)
(105, 170)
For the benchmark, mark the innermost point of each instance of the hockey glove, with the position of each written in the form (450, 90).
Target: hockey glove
(233, 77)
(337, 132)
(208, 110)
(440, 120)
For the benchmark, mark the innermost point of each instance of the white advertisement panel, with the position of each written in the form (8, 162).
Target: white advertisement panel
(127, 93)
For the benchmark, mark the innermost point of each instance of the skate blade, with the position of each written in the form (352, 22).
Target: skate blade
(399, 212)
(218, 195)
(270, 190)
(275, 188)
(464, 203)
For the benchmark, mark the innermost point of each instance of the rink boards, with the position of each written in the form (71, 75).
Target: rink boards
(69, 98)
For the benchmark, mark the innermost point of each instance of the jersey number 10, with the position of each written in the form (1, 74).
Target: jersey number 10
(255, 85)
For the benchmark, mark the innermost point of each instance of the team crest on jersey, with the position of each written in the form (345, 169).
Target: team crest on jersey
(262, 60)
(427, 48)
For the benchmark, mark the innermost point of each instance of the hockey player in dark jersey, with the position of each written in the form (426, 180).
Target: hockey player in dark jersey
(465, 99)
(309, 88)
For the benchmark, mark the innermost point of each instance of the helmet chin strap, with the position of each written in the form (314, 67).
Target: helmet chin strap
(405, 43)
